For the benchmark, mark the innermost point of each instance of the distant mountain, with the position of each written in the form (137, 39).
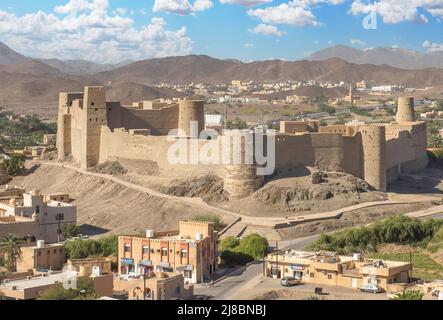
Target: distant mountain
(9, 56)
(394, 57)
(82, 67)
(205, 69)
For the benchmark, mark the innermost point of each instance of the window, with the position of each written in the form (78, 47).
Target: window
(312, 275)
(187, 274)
(329, 276)
(37, 209)
(184, 254)
(55, 251)
(164, 252)
(145, 249)
(48, 252)
(127, 248)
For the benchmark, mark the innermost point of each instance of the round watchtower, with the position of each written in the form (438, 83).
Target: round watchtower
(405, 110)
(374, 155)
(191, 111)
(240, 174)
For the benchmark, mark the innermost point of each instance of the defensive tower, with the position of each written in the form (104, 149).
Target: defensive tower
(405, 110)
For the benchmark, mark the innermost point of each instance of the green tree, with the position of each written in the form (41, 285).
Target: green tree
(433, 134)
(82, 249)
(70, 230)
(254, 245)
(229, 243)
(84, 291)
(10, 249)
(15, 164)
(409, 295)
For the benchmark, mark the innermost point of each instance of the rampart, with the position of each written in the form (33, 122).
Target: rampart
(93, 131)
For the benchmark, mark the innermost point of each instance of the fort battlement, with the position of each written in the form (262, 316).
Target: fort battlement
(93, 130)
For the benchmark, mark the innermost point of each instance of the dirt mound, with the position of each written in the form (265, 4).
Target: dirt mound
(323, 186)
(104, 205)
(113, 168)
(208, 187)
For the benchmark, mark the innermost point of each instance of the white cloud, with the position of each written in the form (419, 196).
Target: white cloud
(247, 3)
(84, 29)
(357, 42)
(295, 12)
(267, 30)
(396, 11)
(248, 45)
(181, 7)
(432, 47)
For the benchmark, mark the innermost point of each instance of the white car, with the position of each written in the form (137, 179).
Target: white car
(371, 288)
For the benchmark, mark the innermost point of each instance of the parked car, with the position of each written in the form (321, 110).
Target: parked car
(289, 282)
(371, 288)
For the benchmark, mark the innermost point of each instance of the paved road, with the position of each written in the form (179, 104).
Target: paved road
(245, 278)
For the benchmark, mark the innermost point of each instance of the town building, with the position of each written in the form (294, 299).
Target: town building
(41, 257)
(191, 251)
(89, 266)
(35, 216)
(329, 268)
(31, 287)
(156, 285)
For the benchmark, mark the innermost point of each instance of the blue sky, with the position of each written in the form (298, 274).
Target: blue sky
(115, 30)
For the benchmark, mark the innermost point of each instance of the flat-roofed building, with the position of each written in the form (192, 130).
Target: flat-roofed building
(41, 257)
(329, 268)
(192, 251)
(157, 286)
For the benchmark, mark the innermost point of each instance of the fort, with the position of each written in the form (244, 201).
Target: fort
(92, 130)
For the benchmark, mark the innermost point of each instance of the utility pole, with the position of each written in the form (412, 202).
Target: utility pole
(276, 257)
(144, 283)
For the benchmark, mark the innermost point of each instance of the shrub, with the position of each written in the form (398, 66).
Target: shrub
(410, 295)
(70, 230)
(239, 252)
(82, 249)
(84, 291)
(398, 229)
(229, 243)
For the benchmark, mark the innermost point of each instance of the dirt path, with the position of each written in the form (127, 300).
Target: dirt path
(256, 221)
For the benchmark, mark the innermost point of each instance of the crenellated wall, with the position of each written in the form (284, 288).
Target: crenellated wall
(93, 131)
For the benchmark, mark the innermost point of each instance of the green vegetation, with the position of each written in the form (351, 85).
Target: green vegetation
(424, 267)
(433, 134)
(239, 252)
(23, 131)
(410, 295)
(82, 249)
(236, 124)
(361, 112)
(287, 113)
(70, 230)
(10, 251)
(398, 229)
(84, 291)
(326, 108)
(15, 164)
(419, 240)
(218, 224)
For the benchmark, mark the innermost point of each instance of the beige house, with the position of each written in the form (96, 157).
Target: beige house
(31, 287)
(86, 267)
(41, 257)
(36, 216)
(192, 251)
(328, 268)
(158, 286)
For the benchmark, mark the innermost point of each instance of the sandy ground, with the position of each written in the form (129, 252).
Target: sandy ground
(270, 289)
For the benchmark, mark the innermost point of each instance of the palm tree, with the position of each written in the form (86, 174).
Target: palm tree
(10, 247)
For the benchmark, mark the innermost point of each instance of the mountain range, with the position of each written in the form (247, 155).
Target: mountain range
(394, 57)
(36, 81)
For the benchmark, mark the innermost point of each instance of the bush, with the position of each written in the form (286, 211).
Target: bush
(82, 249)
(410, 295)
(70, 230)
(15, 164)
(398, 229)
(239, 252)
(229, 243)
(84, 291)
